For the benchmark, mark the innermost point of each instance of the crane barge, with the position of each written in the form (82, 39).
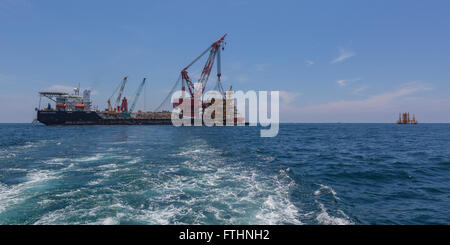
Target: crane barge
(74, 109)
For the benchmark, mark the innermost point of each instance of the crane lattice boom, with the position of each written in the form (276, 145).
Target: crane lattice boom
(214, 51)
(138, 93)
(122, 87)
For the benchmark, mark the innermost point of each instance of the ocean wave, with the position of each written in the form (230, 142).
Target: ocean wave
(6, 155)
(328, 189)
(277, 207)
(205, 188)
(93, 158)
(57, 161)
(14, 194)
(227, 195)
(200, 190)
(246, 193)
(324, 218)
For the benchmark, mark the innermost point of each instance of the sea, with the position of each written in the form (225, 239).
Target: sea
(309, 174)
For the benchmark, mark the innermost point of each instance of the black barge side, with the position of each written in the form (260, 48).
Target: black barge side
(67, 118)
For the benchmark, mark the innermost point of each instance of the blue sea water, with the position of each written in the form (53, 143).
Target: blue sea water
(308, 174)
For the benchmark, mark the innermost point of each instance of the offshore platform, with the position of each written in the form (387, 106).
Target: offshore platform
(403, 118)
(74, 109)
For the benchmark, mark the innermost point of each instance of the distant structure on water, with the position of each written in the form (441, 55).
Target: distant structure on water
(403, 118)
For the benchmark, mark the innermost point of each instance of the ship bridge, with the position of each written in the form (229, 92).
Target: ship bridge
(67, 102)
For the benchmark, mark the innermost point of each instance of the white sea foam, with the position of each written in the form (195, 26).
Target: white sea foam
(325, 218)
(134, 160)
(7, 155)
(108, 166)
(16, 169)
(79, 212)
(70, 166)
(109, 221)
(15, 150)
(277, 208)
(31, 144)
(199, 152)
(39, 176)
(61, 216)
(8, 196)
(162, 216)
(266, 158)
(95, 157)
(205, 188)
(95, 182)
(46, 202)
(328, 189)
(253, 197)
(26, 146)
(69, 193)
(261, 199)
(14, 194)
(57, 161)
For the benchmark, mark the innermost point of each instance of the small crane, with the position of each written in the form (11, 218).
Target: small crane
(138, 93)
(122, 87)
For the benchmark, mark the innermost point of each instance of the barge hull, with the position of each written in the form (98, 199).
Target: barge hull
(65, 118)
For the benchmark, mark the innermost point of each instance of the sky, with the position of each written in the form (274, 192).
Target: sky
(332, 61)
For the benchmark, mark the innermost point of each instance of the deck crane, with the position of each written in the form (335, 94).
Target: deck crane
(214, 51)
(122, 87)
(138, 93)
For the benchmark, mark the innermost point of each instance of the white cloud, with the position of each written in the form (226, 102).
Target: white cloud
(242, 78)
(309, 62)
(261, 67)
(360, 89)
(383, 107)
(288, 97)
(345, 82)
(342, 83)
(377, 102)
(11, 7)
(343, 55)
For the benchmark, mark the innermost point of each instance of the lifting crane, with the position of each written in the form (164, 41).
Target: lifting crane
(110, 109)
(122, 87)
(214, 51)
(138, 93)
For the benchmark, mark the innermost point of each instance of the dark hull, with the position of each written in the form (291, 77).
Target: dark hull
(64, 118)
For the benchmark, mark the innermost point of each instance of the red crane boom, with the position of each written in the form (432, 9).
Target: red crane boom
(214, 51)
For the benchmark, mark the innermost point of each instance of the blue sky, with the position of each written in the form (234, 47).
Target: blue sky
(333, 61)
